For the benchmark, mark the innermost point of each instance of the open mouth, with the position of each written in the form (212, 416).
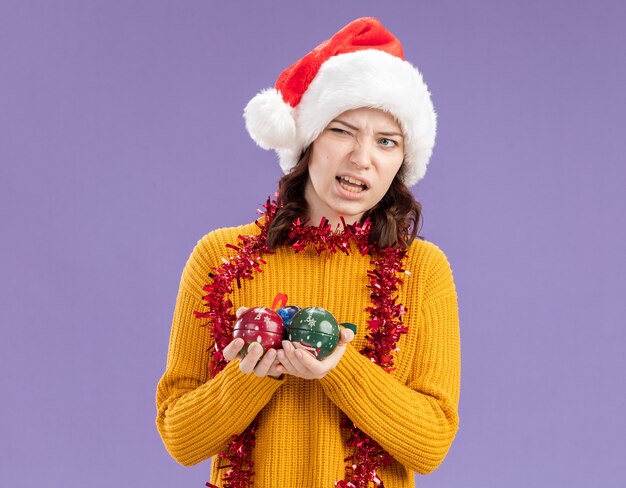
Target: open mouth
(351, 184)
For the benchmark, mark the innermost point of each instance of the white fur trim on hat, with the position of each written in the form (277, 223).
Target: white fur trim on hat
(270, 121)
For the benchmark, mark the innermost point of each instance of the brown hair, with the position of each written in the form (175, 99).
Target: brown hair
(395, 219)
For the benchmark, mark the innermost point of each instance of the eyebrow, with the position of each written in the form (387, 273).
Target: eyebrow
(396, 134)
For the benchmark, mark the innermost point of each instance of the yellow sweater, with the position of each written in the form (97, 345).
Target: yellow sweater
(412, 412)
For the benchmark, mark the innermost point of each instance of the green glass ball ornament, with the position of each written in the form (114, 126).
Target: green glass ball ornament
(316, 329)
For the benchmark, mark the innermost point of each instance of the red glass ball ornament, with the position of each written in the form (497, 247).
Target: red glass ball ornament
(261, 325)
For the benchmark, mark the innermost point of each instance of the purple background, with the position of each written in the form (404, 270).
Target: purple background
(122, 143)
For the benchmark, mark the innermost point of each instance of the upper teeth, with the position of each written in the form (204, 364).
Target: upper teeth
(352, 180)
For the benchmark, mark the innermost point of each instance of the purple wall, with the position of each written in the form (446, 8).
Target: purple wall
(122, 143)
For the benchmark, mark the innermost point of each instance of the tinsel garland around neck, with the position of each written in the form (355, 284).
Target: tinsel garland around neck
(385, 328)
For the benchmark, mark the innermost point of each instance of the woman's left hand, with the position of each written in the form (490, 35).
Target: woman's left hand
(301, 363)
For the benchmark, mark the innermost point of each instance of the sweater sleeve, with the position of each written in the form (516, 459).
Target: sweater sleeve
(415, 422)
(197, 416)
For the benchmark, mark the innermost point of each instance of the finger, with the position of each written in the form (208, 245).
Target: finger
(294, 358)
(277, 369)
(248, 363)
(231, 351)
(240, 311)
(308, 362)
(333, 359)
(286, 363)
(276, 365)
(346, 336)
(264, 365)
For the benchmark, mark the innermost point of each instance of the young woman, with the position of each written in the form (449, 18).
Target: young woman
(354, 126)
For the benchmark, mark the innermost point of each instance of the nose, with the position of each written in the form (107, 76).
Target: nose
(360, 155)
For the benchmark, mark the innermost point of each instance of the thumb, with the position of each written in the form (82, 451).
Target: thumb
(346, 336)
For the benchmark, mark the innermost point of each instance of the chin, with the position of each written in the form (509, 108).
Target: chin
(351, 213)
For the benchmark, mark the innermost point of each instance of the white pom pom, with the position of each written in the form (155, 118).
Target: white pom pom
(270, 121)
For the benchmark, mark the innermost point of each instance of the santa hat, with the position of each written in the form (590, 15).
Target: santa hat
(362, 65)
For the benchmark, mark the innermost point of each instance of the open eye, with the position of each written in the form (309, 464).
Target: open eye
(387, 142)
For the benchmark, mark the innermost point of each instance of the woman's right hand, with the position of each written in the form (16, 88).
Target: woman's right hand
(268, 366)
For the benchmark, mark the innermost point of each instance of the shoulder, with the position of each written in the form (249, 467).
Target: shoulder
(430, 266)
(218, 238)
(426, 254)
(209, 252)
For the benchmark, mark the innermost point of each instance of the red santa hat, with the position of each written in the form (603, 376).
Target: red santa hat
(362, 65)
